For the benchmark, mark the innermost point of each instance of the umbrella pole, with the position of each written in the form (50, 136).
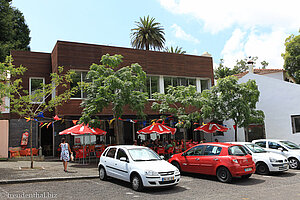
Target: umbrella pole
(83, 149)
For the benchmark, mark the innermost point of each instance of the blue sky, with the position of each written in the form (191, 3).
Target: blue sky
(228, 29)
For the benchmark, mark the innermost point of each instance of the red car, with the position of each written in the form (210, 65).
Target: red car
(221, 159)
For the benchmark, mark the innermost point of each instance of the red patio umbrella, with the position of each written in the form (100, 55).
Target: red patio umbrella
(157, 128)
(81, 129)
(211, 128)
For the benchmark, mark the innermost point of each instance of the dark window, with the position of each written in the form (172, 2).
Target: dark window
(261, 144)
(196, 151)
(111, 153)
(296, 123)
(204, 85)
(237, 151)
(152, 85)
(121, 153)
(176, 81)
(77, 78)
(212, 150)
(36, 88)
(274, 145)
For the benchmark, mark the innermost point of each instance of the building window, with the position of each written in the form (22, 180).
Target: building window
(204, 85)
(178, 81)
(79, 76)
(152, 85)
(296, 123)
(36, 86)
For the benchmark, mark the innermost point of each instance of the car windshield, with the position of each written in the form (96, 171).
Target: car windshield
(255, 148)
(290, 145)
(143, 155)
(237, 151)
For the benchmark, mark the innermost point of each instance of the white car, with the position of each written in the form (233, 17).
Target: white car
(265, 162)
(139, 165)
(283, 147)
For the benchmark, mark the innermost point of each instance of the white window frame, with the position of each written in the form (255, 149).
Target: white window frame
(293, 123)
(30, 88)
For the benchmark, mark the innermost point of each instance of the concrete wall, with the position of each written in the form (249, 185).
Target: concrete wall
(279, 100)
(4, 128)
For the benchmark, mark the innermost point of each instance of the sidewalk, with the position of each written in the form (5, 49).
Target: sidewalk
(20, 172)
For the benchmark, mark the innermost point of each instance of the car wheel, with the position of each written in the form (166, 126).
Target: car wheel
(224, 175)
(102, 174)
(294, 163)
(176, 164)
(262, 168)
(137, 183)
(246, 176)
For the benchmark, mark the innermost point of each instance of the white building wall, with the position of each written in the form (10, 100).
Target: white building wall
(277, 75)
(279, 100)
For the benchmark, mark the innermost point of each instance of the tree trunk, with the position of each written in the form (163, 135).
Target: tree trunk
(116, 129)
(184, 138)
(31, 155)
(235, 132)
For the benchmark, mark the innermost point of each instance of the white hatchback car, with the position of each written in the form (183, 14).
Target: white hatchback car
(283, 147)
(265, 162)
(139, 165)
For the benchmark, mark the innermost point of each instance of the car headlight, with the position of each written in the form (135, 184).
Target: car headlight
(151, 173)
(235, 161)
(273, 159)
(177, 171)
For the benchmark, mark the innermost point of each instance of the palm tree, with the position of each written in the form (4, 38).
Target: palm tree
(148, 34)
(175, 50)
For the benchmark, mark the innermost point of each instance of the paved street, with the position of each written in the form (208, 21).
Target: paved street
(279, 186)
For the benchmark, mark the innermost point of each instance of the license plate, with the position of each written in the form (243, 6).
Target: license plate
(248, 169)
(168, 179)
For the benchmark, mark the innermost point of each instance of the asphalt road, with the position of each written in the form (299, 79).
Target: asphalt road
(277, 186)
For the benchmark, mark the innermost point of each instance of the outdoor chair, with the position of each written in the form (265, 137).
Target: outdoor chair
(170, 151)
(160, 150)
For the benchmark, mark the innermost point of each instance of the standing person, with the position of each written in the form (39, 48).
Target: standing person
(64, 155)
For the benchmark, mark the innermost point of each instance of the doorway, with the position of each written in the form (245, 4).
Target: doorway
(47, 141)
(253, 132)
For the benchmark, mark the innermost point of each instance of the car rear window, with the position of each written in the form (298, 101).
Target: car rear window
(237, 151)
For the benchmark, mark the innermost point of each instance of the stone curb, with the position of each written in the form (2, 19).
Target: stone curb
(16, 181)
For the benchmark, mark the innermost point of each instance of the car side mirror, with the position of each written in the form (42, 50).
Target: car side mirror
(183, 154)
(124, 159)
(280, 148)
(162, 157)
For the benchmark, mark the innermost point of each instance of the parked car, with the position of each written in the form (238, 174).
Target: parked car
(265, 162)
(139, 165)
(284, 147)
(221, 159)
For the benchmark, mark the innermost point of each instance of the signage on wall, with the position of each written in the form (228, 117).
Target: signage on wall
(77, 140)
(24, 139)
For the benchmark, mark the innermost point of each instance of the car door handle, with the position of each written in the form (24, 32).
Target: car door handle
(216, 159)
(196, 158)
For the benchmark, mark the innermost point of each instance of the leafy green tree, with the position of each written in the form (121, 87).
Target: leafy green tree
(21, 101)
(148, 34)
(14, 32)
(179, 101)
(177, 50)
(292, 57)
(230, 100)
(264, 64)
(119, 88)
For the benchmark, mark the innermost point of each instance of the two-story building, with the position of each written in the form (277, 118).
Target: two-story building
(162, 69)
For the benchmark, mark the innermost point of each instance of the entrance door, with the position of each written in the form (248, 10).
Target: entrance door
(254, 132)
(47, 141)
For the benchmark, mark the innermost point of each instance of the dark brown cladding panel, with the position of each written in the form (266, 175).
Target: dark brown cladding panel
(80, 56)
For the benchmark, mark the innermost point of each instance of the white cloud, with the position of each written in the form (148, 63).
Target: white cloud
(266, 46)
(181, 34)
(218, 15)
